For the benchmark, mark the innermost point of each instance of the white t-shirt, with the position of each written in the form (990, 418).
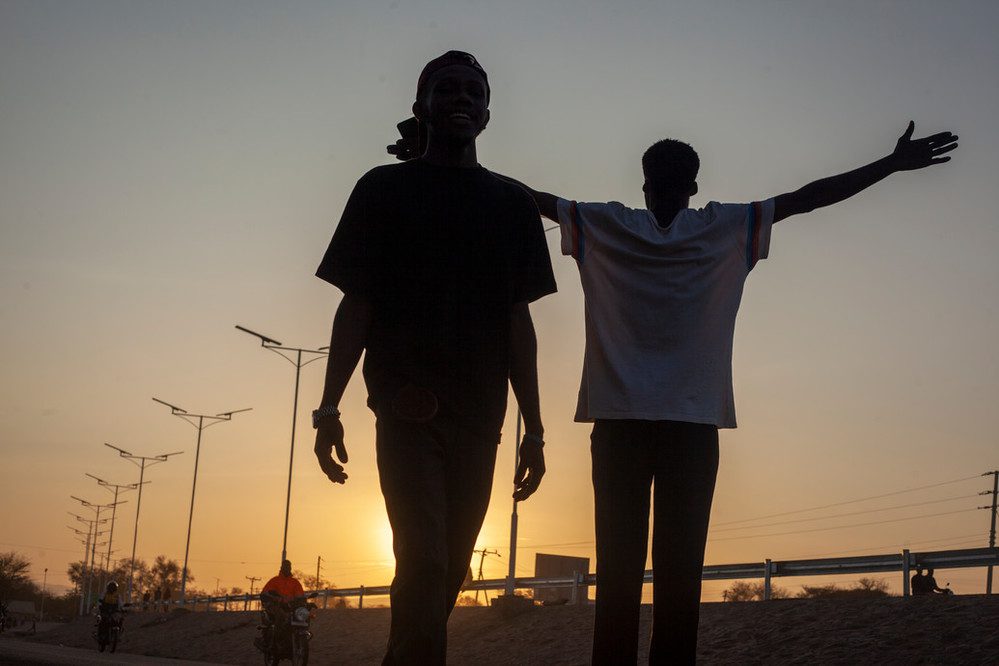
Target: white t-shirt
(661, 306)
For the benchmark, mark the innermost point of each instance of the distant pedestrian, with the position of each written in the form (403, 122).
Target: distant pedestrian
(145, 601)
(166, 598)
(157, 597)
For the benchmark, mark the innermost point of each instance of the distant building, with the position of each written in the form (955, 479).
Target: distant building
(21, 610)
(559, 566)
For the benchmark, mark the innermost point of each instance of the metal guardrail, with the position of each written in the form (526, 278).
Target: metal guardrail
(902, 563)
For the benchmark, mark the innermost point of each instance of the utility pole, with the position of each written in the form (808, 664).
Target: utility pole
(143, 462)
(312, 355)
(992, 529)
(318, 561)
(200, 425)
(482, 557)
(252, 579)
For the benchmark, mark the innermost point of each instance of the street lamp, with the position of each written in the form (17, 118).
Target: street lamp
(512, 571)
(114, 511)
(143, 462)
(200, 425)
(92, 525)
(45, 579)
(279, 349)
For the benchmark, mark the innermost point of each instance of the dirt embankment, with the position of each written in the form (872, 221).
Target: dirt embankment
(935, 630)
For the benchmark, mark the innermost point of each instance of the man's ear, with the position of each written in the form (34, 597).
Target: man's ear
(693, 189)
(418, 110)
(485, 121)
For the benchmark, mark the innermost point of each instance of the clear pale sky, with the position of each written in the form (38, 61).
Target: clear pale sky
(168, 170)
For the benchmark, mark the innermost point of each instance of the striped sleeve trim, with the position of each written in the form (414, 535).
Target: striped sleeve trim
(754, 214)
(578, 239)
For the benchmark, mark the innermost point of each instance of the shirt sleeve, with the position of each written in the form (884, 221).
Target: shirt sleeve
(533, 276)
(353, 251)
(749, 223)
(585, 226)
(759, 220)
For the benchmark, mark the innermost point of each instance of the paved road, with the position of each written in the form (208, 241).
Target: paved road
(18, 653)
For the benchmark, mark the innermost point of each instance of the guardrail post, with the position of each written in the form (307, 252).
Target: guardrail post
(360, 598)
(766, 580)
(574, 594)
(326, 597)
(225, 603)
(905, 573)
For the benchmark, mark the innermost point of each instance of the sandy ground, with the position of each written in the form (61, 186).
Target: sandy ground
(935, 630)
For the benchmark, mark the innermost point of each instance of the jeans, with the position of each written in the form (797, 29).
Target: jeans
(682, 459)
(436, 478)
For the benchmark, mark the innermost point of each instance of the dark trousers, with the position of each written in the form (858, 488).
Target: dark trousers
(436, 478)
(628, 456)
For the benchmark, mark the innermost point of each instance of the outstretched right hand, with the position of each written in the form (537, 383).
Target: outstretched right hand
(329, 435)
(912, 154)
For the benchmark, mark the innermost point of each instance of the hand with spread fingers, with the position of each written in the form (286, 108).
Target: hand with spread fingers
(329, 435)
(910, 154)
(531, 468)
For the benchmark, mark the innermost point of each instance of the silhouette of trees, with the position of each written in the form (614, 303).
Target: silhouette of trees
(862, 589)
(13, 573)
(742, 590)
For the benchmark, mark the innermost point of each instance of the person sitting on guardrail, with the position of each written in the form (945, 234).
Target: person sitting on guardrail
(932, 587)
(918, 583)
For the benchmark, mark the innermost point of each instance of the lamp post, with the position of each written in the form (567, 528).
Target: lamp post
(45, 579)
(97, 508)
(512, 571)
(114, 511)
(213, 419)
(312, 355)
(89, 548)
(142, 462)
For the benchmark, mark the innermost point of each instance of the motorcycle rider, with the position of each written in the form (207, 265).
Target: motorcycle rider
(108, 606)
(276, 594)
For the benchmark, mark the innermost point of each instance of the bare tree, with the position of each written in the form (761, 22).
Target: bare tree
(13, 572)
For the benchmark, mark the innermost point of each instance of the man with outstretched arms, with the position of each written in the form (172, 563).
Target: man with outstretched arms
(662, 288)
(438, 260)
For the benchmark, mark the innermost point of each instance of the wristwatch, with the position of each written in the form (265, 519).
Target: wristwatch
(324, 413)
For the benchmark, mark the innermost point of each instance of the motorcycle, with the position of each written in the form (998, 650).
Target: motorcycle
(110, 625)
(284, 629)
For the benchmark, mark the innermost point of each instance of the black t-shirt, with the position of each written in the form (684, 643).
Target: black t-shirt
(442, 254)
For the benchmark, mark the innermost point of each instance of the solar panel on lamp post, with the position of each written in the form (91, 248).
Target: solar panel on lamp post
(114, 511)
(93, 524)
(213, 419)
(143, 462)
(279, 349)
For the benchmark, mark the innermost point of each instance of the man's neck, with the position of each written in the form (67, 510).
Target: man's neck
(665, 211)
(665, 214)
(448, 153)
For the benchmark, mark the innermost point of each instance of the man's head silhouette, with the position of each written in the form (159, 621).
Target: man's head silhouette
(670, 169)
(452, 96)
(286, 568)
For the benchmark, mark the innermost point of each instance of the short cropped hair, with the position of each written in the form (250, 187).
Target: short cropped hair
(670, 167)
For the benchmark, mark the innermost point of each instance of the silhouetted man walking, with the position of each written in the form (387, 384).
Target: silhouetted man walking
(662, 289)
(438, 260)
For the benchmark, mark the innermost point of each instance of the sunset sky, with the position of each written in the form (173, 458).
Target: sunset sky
(171, 169)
